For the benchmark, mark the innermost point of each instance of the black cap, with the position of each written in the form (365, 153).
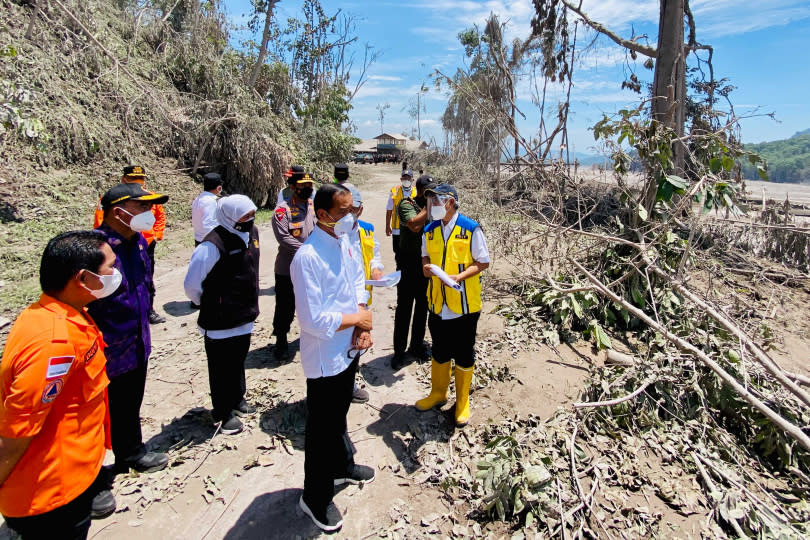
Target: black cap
(211, 181)
(130, 192)
(135, 171)
(443, 189)
(406, 172)
(425, 181)
(341, 171)
(296, 172)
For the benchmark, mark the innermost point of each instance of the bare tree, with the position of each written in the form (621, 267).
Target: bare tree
(265, 7)
(381, 108)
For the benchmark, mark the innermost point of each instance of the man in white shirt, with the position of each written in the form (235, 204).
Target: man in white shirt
(456, 244)
(223, 278)
(330, 295)
(204, 207)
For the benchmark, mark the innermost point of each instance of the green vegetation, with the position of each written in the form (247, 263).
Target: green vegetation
(788, 159)
(89, 86)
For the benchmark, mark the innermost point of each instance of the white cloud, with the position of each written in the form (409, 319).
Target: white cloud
(384, 78)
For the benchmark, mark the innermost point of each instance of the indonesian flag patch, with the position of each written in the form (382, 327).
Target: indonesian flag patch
(58, 366)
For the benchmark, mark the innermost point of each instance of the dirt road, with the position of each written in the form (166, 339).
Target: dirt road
(248, 485)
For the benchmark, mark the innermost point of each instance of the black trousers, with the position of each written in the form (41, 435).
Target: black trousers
(150, 250)
(68, 522)
(285, 306)
(126, 395)
(226, 373)
(395, 243)
(328, 452)
(411, 298)
(454, 338)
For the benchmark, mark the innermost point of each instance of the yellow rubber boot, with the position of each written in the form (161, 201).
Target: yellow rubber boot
(463, 381)
(439, 383)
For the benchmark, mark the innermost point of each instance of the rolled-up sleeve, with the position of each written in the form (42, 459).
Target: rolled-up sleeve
(203, 259)
(376, 260)
(306, 278)
(479, 249)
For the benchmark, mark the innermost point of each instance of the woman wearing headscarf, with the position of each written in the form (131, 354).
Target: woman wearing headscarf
(223, 278)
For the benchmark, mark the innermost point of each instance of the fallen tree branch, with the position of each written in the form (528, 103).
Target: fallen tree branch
(118, 64)
(766, 361)
(611, 402)
(795, 432)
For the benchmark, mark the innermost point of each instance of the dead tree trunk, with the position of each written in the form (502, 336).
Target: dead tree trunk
(268, 19)
(669, 85)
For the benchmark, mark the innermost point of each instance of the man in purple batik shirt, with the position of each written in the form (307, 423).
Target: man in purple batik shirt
(123, 318)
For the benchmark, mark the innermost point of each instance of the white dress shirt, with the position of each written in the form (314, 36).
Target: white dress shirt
(204, 214)
(327, 275)
(478, 250)
(406, 193)
(203, 259)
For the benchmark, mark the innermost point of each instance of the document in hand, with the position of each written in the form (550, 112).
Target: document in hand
(442, 275)
(386, 281)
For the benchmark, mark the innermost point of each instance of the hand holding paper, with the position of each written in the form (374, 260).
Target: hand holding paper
(386, 281)
(445, 277)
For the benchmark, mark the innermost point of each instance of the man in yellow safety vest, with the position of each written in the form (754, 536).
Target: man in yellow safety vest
(456, 245)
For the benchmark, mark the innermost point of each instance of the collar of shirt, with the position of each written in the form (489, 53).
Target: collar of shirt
(115, 239)
(79, 318)
(447, 229)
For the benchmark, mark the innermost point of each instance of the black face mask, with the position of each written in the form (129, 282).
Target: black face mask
(304, 193)
(243, 226)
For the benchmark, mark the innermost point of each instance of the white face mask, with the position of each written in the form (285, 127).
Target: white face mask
(406, 184)
(109, 284)
(437, 212)
(344, 225)
(144, 221)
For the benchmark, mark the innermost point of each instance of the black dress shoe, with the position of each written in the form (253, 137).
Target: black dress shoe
(244, 408)
(398, 361)
(155, 317)
(281, 350)
(103, 505)
(147, 463)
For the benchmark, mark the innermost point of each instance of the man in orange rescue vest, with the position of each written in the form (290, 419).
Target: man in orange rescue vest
(135, 174)
(53, 411)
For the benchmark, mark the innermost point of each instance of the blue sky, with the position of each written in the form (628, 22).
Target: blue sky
(759, 46)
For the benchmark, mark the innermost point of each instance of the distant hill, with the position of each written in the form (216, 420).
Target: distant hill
(788, 159)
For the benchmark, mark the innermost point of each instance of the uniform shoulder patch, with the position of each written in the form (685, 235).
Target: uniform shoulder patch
(58, 366)
(52, 390)
(280, 213)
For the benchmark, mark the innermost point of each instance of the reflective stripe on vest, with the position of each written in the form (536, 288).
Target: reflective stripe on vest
(453, 257)
(397, 196)
(367, 247)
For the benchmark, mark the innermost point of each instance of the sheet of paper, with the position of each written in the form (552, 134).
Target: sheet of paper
(445, 277)
(386, 281)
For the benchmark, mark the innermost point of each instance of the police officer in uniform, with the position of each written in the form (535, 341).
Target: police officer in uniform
(456, 244)
(293, 221)
(293, 175)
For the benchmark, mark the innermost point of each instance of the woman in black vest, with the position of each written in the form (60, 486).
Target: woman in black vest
(223, 278)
